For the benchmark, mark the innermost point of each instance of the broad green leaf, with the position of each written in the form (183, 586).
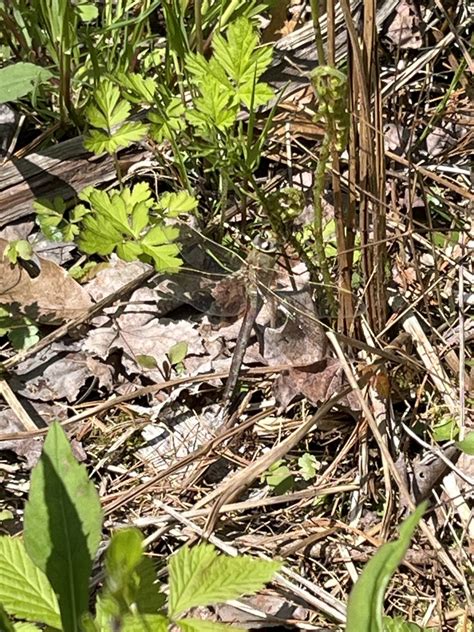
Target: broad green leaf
(20, 79)
(198, 625)
(24, 336)
(467, 444)
(146, 361)
(200, 576)
(49, 216)
(123, 555)
(140, 218)
(87, 11)
(129, 250)
(98, 236)
(145, 623)
(399, 625)
(214, 107)
(24, 589)
(139, 193)
(174, 204)
(365, 606)
(62, 525)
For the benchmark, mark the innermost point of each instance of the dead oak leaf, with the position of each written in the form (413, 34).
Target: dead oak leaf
(52, 297)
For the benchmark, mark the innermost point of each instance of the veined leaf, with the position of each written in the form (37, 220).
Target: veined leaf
(62, 525)
(139, 88)
(108, 110)
(364, 609)
(467, 444)
(200, 576)
(98, 236)
(24, 589)
(169, 121)
(99, 141)
(129, 250)
(18, 80)
(214, 107)
(174, 204)
(165, 258)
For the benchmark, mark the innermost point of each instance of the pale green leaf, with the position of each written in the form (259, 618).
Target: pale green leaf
(99, 141)
(26, 627)
(20, 79)
(174, 204)
(145, 623)
(6, 514)
(200, 625)
(309, 466)
(124, 553)
(62, 525)
(171, 121)
(200, 576)
(98, 236)
(177, 352)
(365, 606)
(467, 444)
(24, 589)
(253, 98)
(399, 625)
(214, 107)
(87, 11)
(137, 194)
(140, 218)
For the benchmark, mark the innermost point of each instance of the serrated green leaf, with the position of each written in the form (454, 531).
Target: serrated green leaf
(364, 609)
(159, 235)
(139, 193)
(129, 250)
(20, 79)
(99, 141)
(170, 122)
(18, 248)
(174, 204)
(467, 444)
(200, 576)
(140, 218)
(165, 258)
(62, 525)
(213, 107)
(98, 236)
(24, 589)
(108, 109)
(141, 89)
(145, 623)
(201, 625)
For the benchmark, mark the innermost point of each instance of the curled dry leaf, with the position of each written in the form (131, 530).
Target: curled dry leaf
(52, 297)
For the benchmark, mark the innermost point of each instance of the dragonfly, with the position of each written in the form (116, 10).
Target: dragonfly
(223, 283)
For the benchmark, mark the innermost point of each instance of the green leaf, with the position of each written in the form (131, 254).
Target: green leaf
(200, 576)
(140, 89)
(20, 79)
(87, 11)
(146, 361)
(62, 525)
(18, 248)
(26, 627)
(174, 204)
(6, 514)
(99, 141)
(24, 589)
(5, 624)
(467, 444)
(364, 610)
(177, 352)
(309, 466)
(214, 107)
(199, 625)
(108, 109)
(168, 122)
(446, 429)
(123, 555)
(165, 258)
(399, 625)
(145, 623)
(23, 336)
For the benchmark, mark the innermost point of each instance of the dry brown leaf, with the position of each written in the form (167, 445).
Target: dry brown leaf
(404, 31)
(52, 297)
